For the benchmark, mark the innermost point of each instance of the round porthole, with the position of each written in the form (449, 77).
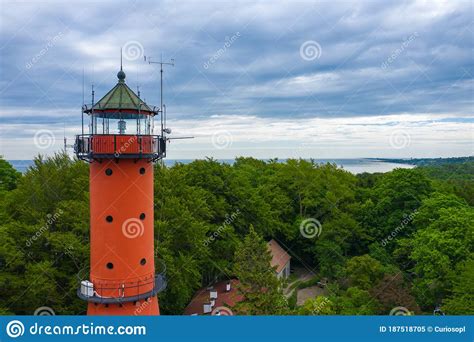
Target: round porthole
(110, 265)
(109, 218)
(142, 170)
(109, 172)
(142, 216)
(143, 261)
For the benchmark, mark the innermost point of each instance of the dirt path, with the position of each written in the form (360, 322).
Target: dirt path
(309, 292)
(303, 274)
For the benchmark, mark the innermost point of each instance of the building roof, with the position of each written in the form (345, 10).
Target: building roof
(227, 299)
(279, 256)
(121, 98)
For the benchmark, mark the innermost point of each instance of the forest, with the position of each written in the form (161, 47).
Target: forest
(399, 239)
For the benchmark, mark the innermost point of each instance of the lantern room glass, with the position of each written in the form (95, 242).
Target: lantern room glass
(139, 124)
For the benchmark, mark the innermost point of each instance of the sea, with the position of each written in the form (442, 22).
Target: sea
(354, 166)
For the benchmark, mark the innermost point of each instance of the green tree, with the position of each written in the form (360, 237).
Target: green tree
(8, 175)
(397, 194)
(261, 289)
(355, 301)
(462, 297)
(320, 305)
(363, 271)
(436, 250)
(44, 229)
(182, 216)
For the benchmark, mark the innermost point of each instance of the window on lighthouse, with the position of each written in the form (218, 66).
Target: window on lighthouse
(139, 124)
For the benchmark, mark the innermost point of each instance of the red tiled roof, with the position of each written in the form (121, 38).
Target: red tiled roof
(279, 256)
(227, 299)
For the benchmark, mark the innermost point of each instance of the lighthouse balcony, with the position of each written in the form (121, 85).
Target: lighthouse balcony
(121, 293)
(115, 146)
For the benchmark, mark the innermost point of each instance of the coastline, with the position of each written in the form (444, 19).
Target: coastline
(353, 165)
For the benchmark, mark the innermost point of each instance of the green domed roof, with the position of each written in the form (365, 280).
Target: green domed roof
(121, 101)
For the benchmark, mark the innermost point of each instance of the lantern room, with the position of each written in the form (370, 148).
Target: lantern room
(120, 126)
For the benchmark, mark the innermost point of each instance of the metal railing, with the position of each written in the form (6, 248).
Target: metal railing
(124, 292)
(98, 146)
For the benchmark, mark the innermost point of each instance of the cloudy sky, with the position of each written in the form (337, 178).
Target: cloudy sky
(335, 79)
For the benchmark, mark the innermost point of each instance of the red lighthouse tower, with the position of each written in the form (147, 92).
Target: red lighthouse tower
(121, 149)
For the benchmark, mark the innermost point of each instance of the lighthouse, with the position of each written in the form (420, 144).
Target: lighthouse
(121, 148)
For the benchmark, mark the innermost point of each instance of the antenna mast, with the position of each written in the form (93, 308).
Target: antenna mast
(82, 108)
(161, 63)
(94, 119)
(164, 129)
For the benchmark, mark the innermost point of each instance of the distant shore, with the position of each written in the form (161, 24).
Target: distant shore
(426, 161)
(355, 165)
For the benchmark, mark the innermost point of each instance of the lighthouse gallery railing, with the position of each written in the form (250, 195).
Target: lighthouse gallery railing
(125, 292)
(98, 146)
